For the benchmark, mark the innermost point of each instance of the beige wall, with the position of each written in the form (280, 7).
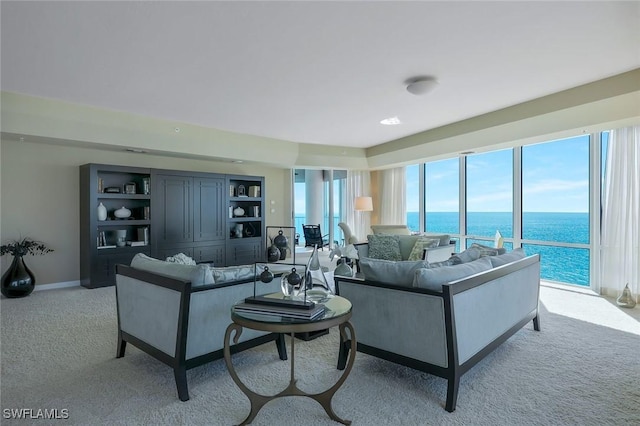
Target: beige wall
(39, 193)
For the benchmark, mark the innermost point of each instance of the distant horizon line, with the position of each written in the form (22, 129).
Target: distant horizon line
(302, 214)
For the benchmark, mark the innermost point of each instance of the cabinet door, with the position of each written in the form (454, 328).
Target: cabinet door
(210, 254)
(208, 209)
(105, 271)
(173, 208)
(245, 252)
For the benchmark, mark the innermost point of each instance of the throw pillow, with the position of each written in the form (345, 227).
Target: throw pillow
(421, 244)
(503, 259)
(386, 247)
(469, 255)
(232, 273)
(196, 274)
(391, 272)
(434, 278)
(489, 251)
(181, 258)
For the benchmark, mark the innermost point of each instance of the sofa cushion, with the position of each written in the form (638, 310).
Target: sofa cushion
(196, 274)
(434, 278)
(469, 255)
(391, 229)
(382, 246)
(420, 245)
(503, 259)
(391, 272)
(232, 273)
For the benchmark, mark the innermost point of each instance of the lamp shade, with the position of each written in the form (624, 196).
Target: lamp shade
(364, 204)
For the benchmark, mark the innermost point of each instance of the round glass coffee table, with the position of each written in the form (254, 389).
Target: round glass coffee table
(337, 313)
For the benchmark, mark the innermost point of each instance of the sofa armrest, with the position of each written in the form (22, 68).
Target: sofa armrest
(487, 305)
(403, 320)
(149, 306)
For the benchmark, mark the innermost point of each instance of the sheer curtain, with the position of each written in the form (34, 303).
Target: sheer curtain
(392, 184)
(620, 242)
(358, 185)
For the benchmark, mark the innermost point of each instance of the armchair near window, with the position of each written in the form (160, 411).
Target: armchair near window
(313, 236)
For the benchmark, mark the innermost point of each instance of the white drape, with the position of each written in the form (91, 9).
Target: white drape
(620, 238)
(358, 185)
(393, 204)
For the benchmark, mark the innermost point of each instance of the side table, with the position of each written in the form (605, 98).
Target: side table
(337, 313)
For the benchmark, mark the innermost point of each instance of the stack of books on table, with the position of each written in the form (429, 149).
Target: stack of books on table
(289, 312)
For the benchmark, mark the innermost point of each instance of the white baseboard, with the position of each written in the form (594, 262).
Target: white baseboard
(54, 286)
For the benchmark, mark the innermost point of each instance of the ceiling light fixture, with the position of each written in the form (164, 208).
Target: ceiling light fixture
(421, 85)
(136, 150)
(391, 121)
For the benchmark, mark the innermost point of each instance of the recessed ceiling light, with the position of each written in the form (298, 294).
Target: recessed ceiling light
(237, 161)
(391, 121)
(136, 150)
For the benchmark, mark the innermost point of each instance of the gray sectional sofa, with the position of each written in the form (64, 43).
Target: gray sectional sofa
(442, 320)
(179, 313)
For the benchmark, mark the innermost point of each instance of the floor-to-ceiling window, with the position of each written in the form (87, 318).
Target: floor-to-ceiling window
(537, 196)
(489, 201)
(555, 207)
(319, 198)
(413, 196)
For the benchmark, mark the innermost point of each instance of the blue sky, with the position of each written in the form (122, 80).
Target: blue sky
(555, 179)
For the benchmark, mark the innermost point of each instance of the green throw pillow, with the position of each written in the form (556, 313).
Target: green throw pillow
(386, 247)
(421, 244)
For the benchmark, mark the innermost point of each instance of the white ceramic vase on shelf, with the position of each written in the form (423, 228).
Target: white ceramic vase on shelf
(102, 212)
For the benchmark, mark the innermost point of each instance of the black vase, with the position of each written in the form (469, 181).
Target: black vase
(18, 281)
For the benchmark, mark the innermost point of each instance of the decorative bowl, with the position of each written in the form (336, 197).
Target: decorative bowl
(122, 213)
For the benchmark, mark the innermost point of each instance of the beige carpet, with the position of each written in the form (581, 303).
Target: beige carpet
(58, 351)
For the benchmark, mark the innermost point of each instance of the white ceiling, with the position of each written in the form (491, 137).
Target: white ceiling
(320, 72)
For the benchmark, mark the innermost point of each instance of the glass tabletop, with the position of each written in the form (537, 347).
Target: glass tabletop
(334, 307)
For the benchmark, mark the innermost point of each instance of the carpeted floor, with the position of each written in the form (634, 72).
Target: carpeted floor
(58, 352)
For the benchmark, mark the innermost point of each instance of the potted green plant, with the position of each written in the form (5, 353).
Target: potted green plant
(19, 281)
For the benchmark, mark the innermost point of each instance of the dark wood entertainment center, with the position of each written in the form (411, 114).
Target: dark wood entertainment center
(213, 218)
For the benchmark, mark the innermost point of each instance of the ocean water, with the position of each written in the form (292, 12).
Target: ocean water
(561, 264)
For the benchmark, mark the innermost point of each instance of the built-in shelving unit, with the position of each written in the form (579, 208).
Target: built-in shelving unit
(171, 212)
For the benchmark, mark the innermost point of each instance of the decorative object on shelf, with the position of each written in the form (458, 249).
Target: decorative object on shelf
(112, 190)
(241, 191)
(249, 230)
(290, 283)
(100, 185)
(143, 235)
(102, 212)
(282, 243)
(626, 299)
(237, 230)
(254, 191)
(232, 191)
(146, 186)
(266, 276)
(121, 237)
(256, 211)
(122, 213)
(18, 280)
(238, 212)
(130, 188)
